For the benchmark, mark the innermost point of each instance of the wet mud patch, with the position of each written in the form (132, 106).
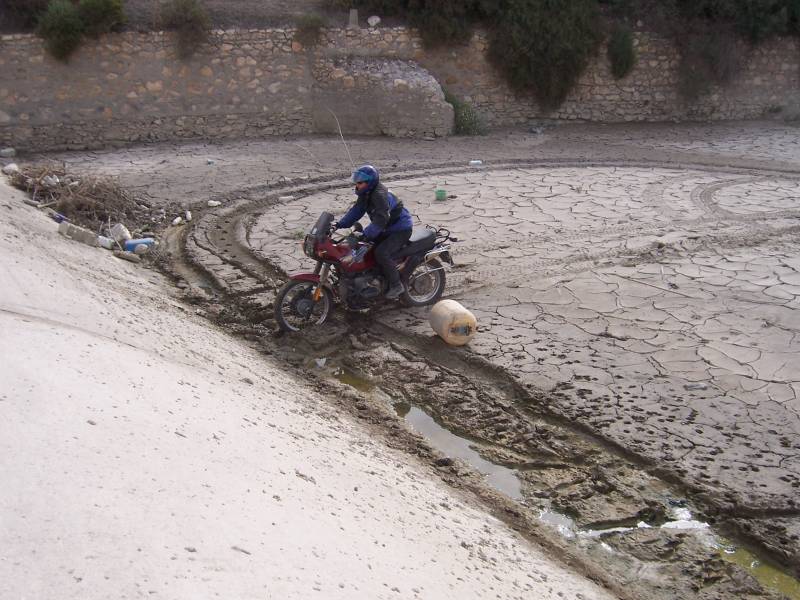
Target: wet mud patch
(557, 485)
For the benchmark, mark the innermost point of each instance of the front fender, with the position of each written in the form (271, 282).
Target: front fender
(313, 277)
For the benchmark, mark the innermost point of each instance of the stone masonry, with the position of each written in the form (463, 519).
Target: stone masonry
(131, 87)
(389, 97)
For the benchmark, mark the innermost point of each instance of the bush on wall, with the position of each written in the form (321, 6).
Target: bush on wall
(63, 24)
(467, 121)
(621, 54)
(545, 45)
(101, 16)
(309, 29)
(24, 14)
(189, 19)
(62, 28)
(708, 57)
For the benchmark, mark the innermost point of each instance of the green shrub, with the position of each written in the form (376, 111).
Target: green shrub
(24, 14)
(101, 16)
(708, 57)
(793, 18)
(309, 29)
(467, 121)
(545, 45)
(441, 22)
(756, 20)
(189, 19)
(62, 28)
(621, 54)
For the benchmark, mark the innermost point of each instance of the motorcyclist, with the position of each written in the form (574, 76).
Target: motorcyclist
(390, 223)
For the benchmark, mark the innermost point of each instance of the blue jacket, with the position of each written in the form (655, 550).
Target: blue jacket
(386, 213)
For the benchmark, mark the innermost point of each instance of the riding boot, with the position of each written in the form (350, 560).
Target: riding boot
(395, 290)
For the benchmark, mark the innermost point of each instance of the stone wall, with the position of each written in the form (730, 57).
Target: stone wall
(768, 83)
(130, 87)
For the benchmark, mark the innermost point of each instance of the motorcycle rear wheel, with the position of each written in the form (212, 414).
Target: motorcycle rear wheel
(295, 308)
(425, 284)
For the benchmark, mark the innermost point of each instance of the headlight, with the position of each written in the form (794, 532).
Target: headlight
(308, 246)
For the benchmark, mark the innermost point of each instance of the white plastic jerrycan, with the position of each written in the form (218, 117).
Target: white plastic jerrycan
(454, 323)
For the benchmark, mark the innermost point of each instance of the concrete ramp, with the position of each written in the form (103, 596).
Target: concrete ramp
(375, 96)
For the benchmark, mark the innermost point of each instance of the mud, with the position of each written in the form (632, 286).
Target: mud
(559, 467)
(569, 407)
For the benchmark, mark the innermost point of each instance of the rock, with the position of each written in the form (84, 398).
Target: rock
(214, 203)
(8, 153)
(374, 21)
(10, 169)
(177, 221)
(285, 198)
(443, 462)
(79, 234)
(695, 386)
(188, 216)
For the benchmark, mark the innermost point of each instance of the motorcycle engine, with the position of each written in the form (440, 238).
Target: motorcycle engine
(361, 290)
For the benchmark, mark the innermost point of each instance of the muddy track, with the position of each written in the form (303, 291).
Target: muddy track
(562, 466)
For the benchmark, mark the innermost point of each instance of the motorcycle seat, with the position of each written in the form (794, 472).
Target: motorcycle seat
(421, 240)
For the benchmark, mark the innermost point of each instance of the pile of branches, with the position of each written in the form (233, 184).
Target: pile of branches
(91, 202)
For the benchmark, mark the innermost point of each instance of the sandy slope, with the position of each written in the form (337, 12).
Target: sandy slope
(144, 453)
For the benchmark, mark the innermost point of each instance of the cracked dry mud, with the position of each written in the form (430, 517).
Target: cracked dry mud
(637, 290)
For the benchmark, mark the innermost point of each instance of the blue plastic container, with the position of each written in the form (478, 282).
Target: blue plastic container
(130, 245)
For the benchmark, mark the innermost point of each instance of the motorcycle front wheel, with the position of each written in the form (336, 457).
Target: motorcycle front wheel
(425, 284)
(296, 309)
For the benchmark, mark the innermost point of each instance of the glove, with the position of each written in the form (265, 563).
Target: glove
(335, 226)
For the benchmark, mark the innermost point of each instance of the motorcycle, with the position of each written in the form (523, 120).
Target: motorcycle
(347, 274)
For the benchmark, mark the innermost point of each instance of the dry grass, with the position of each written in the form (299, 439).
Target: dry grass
(91, 202)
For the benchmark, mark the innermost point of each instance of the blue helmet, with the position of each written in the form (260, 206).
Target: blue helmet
(367, 173)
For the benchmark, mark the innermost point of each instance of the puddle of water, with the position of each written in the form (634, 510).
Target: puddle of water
(349, 378)
(767, 575)
(500, 478)
(562, 523)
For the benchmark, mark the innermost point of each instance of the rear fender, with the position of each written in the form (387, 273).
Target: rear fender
(441, 251)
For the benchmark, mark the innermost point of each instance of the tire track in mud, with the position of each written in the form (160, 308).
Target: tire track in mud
(561, 463)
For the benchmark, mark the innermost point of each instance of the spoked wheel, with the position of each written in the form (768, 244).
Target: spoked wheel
(296, 309)
(425, 284)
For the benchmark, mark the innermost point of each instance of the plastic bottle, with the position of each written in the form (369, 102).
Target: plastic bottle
(452, 322)
(130, 245)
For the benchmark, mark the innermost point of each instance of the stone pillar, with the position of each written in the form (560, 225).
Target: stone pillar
(353, 22)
